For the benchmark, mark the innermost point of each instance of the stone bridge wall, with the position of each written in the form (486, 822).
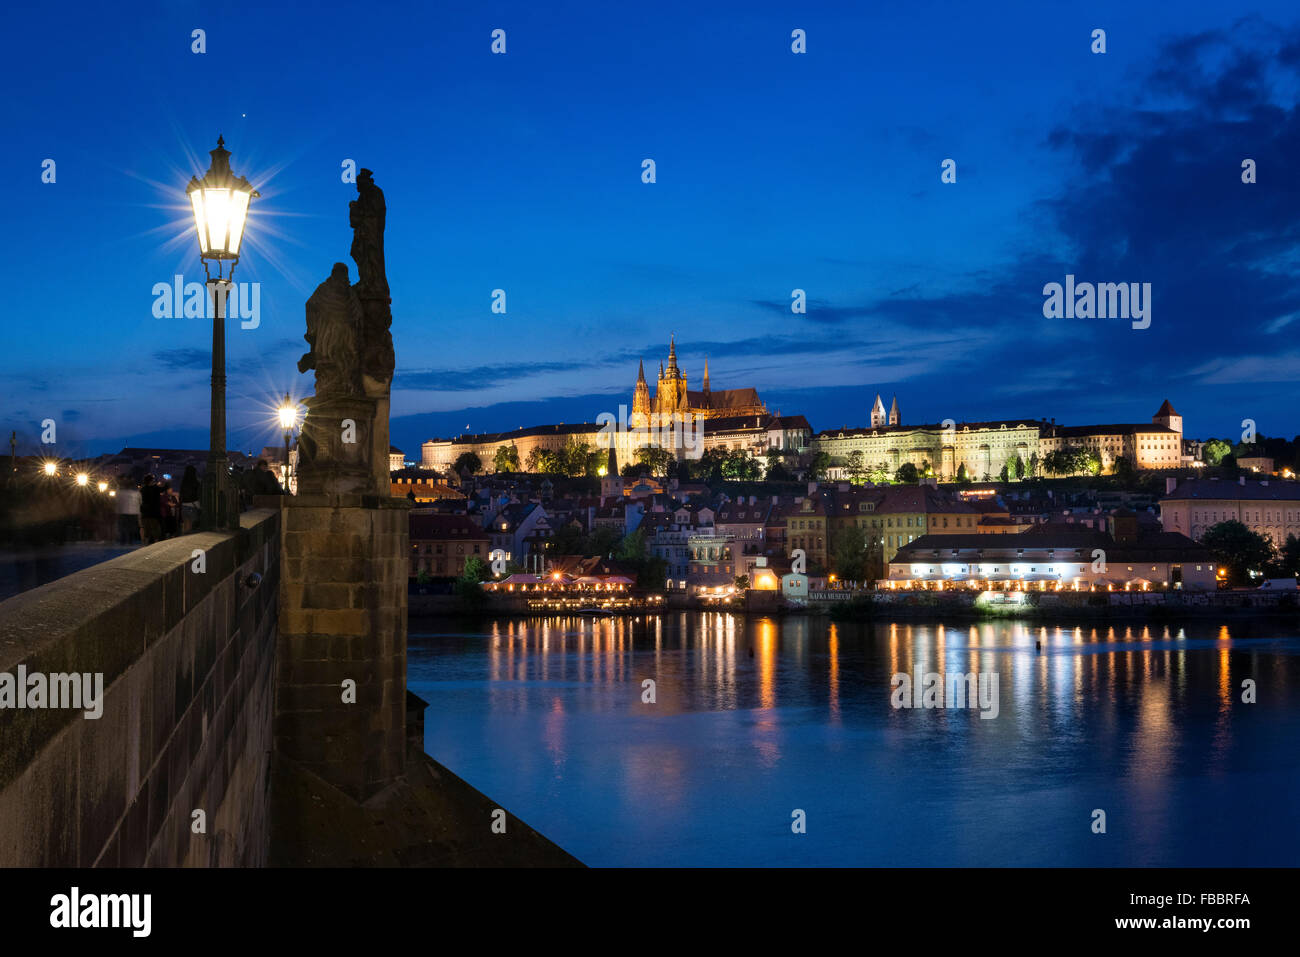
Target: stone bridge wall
(188, 660)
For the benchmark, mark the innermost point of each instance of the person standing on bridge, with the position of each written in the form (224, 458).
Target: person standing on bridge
(127, 503)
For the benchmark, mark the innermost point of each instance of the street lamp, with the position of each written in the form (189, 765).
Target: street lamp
(220, 202)
(288, 419)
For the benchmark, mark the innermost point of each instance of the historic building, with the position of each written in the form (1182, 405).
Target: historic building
(985, 447)
(982, 447)
(672, 396)
(1155, 446)
(1271, 508)
(1055, 557)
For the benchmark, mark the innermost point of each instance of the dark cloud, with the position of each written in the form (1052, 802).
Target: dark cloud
(174, 360)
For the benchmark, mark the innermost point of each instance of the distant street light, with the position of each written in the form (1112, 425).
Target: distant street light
(51, 468)
(102, 486)
(220, 202)
(83, 478)
(288, 419)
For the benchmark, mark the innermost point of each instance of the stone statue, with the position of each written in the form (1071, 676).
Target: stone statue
(334, 324)
(367, 214)
(344, 441)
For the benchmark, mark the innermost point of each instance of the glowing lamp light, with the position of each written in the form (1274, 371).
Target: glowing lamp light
(102, 486)
(83, 478)
(50, 468)
(288, 414)
(220, 202)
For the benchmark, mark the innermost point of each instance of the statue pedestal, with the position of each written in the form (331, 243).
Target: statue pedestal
(336, 448)
(343, 596)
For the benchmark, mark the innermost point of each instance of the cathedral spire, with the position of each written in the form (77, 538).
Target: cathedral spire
(641, 392)
(672, 354)
(706, 373)
(894, 417)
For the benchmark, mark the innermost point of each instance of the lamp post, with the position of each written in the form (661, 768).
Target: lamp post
(220, 203)
(288, 419)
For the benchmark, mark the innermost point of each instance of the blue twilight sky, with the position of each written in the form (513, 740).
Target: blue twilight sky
(775, 171)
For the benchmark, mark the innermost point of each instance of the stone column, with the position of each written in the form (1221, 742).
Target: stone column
(343, 595)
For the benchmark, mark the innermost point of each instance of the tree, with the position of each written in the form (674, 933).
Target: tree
(468, 462)
(907, 474)
(650, 569)
(853, 554)
(1215, 451)
(549, 462)
(596, 460)
(855, 467)
(1289, 557)
(572, 459)
(534, 461)
(506, 459)
(654, 460)
(963, 477)
(603, 540)
(1003, 476)
(476, 569)
(879, 474)
(742, 583)
(1239, 550)
(821, 461)
(1123, 470)
(741, 465)
(1032, 471)
(469, 586)
(569, 539)
(1020, 467)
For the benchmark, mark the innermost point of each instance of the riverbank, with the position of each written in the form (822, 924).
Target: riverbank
(947, 605)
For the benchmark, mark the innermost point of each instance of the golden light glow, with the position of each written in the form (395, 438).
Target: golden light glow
(288, 414)
(102, 486)
(83, 478)
(50, 468)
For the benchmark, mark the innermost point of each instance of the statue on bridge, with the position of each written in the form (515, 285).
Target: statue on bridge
(343, 447)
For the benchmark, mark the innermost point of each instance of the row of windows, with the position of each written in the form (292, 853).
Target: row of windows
(437, 549)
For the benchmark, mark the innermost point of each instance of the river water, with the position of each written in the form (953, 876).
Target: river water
(755, 720)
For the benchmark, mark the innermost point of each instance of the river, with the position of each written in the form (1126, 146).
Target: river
(755, 720)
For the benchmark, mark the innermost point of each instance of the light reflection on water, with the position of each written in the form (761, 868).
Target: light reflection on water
(756, 717)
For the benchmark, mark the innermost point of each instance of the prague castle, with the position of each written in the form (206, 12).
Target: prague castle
(672, 395)
(984, 447)
(738, 419)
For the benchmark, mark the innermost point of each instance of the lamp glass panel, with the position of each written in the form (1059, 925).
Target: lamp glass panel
(200, 219)
(238, 214)
(217, 207)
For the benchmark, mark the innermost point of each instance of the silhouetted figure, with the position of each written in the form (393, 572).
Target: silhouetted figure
(150, 511)
(127, 503)
(264, 481)
(191, 490)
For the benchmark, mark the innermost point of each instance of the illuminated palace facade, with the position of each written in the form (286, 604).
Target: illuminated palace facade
(985, 447)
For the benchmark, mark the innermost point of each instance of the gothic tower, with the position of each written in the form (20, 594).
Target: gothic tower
(1167, 417)
(894, 417)
(670, 391)
(878, 413)
(641, 395)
